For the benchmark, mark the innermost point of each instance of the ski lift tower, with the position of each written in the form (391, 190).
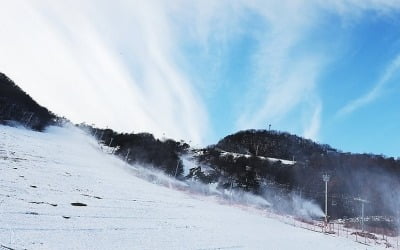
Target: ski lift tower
(326, 178)
(363, 201)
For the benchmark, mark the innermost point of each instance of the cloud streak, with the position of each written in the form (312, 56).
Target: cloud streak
(114, 66)
(391, 70)
(121, 64)
(286, 80)
(312, 130)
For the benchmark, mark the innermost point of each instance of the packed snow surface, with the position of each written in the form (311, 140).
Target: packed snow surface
(59, 190)
(237, 155)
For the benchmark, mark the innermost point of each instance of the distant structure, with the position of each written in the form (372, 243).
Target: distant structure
(363, 201)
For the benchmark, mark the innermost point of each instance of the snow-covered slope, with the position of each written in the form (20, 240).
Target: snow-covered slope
(43, 174)
(236, 155)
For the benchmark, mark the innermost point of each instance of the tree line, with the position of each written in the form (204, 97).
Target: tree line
(242, 159)
(18, 106)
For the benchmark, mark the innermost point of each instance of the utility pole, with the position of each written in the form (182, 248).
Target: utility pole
(398, 218)
(176, 169)
(231, 190)
(363, 201)
(29, 119)
(326, 178)
(101, 137)
(127, 155)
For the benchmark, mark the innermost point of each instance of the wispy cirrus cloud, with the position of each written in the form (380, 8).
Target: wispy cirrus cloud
(279, 80)
(286, 80)
(391, 70)
(312, 130)
(121, 64)
(110, 64)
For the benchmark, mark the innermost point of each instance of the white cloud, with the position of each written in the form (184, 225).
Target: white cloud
(284, 94)
(286, 80)
(312, 130)
(357, 7)
(111, 64)
(392, 69)
(117, 63)
(283, 80)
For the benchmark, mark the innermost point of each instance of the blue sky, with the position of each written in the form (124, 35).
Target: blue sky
(355, 52)
(199, 70)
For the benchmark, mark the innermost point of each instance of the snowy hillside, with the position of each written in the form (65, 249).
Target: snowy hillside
(236, 155)
(58, 190)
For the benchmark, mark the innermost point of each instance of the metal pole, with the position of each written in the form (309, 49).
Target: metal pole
(362, 216)
(127, 155)
(326, 178)
(176, 169)
(29, 120)
(362, 211)
(231, 189)
(101, 137)
(398, 223)
(326, 201)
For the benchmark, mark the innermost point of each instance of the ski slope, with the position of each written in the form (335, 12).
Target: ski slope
(42, 174)
(237, 155)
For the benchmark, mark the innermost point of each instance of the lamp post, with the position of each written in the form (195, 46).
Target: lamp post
(326, 178)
